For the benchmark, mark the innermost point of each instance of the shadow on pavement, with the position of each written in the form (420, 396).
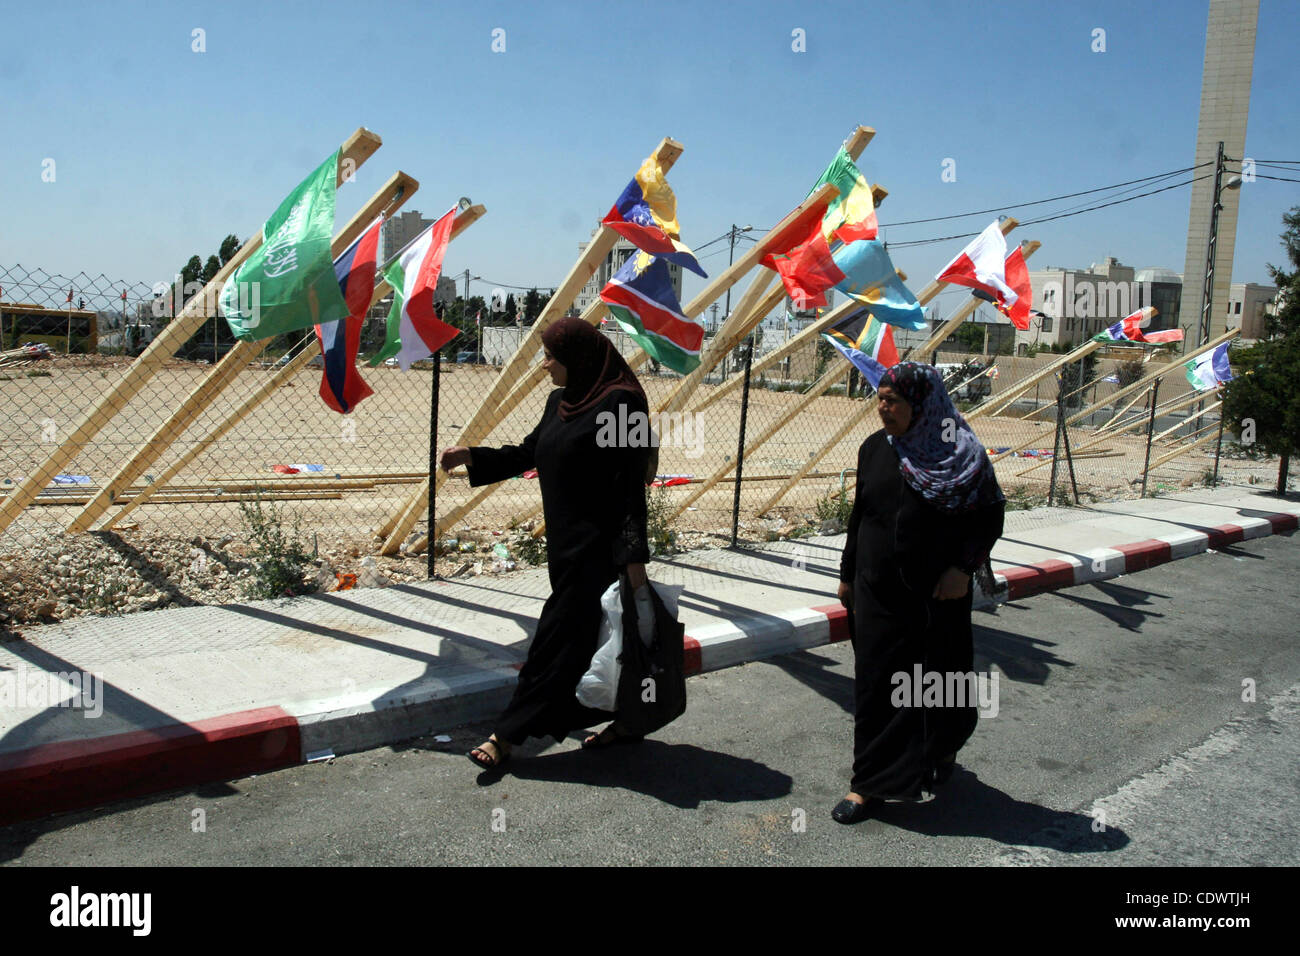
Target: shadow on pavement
(967, 807)
(681, 775)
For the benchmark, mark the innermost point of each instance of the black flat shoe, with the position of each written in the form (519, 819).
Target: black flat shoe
(846, 811)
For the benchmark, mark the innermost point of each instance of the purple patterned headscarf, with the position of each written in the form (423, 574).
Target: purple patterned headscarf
(939, 455)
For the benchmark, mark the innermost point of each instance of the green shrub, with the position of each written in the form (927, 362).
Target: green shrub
(278, 557)
(663, 540)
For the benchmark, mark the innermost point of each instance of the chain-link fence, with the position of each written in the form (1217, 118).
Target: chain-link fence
(186, 529)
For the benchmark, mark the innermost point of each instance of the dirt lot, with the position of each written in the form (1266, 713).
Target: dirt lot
(380, 451)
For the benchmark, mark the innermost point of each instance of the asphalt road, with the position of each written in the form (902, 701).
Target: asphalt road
(1121, 738)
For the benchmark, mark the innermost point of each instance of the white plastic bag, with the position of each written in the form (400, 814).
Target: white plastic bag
(598, 687)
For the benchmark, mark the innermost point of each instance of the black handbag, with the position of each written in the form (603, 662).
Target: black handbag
(652, 683)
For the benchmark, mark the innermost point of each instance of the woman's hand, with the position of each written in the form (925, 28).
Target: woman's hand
(454, 457)
(953, 584)
(636, 575)
(845, 594)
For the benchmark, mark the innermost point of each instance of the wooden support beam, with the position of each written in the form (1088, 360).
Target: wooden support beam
(829, 378)
(282, 375)
(477, 428)
(1158, 373)
(1164, 408)
(1114, 418)
(359, 147)
(995, 404)
(852, 422)
(388, 197)
(1183, 450)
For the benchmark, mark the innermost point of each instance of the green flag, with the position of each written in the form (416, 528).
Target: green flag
(289, 282)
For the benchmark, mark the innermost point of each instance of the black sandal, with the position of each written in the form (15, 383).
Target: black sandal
(607, 739)
(486, 761)
(848, 811)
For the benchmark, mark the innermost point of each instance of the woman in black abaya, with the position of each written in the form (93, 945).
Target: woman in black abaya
(926, 513)
(593, 501)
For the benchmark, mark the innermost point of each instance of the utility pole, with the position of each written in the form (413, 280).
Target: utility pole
(1212, 251)
(731, 255)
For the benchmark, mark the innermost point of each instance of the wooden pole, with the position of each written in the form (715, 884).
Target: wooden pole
(359, 147)
(1181, 451)
(924, 352)
(1173, 405)
(850, 423)
(403, 520)
(389, 196)
(1187, 421)
(1142, 382)
(1114, 418)
(996, 404)
(776, 355)
(734, 329)
(828, 379)
(281, 375)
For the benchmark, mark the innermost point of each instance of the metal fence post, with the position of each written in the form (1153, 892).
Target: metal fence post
(1151, 427)
(740, 445)
(1218, 449)
(1056, 444)
(431, 537)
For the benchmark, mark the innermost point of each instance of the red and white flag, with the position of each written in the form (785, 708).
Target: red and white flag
(1017, 276)
(982, 266)
(1130, 329)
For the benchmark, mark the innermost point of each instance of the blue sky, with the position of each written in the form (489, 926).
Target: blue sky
(160, 151)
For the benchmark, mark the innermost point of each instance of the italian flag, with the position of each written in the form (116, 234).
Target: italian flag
(414, 330)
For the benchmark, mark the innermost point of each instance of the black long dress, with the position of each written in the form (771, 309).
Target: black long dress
(897, 546)
(593, 500)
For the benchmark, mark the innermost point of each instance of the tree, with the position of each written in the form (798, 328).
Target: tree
(1262, 403)
(229, 246)
(191, 272)
(969, 336)
(512, 309)
(532, 306)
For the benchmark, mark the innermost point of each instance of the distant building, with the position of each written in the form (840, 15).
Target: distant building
(399, 230)
(613, 262)
(1248, 306)
(1078, 303)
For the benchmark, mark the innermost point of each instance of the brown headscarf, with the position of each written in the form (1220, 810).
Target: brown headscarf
(594, 366)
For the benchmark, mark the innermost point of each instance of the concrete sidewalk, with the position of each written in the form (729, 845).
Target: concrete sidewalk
(192, 695)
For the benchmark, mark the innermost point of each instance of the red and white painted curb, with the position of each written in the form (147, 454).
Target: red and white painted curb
(87, 773)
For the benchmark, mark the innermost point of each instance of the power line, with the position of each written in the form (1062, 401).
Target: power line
(1039, 202)
(1064, 215)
